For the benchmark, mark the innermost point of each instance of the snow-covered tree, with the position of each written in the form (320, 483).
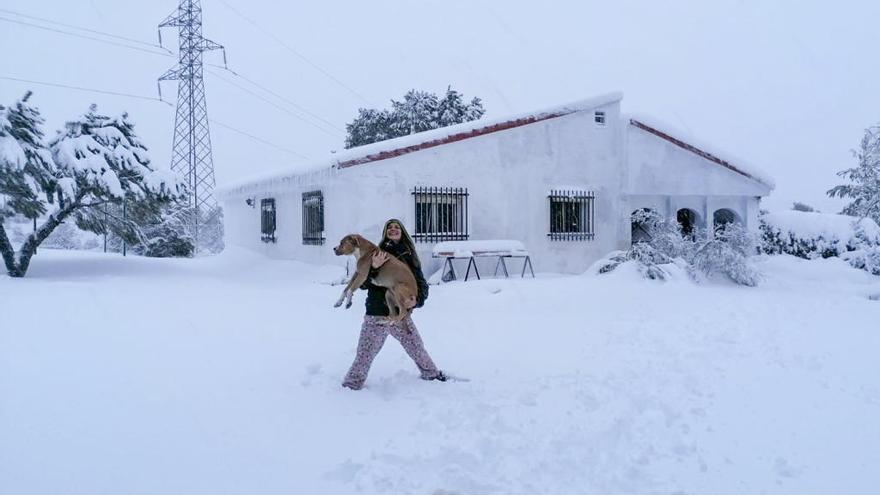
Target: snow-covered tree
(452, 109)
(864, 179)
(728, 252)
(798, 206)
(26, 168)
(418, 111)
(370, 126)
(97, 168)
(169, 235)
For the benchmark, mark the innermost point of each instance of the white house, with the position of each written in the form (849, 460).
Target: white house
(564, 181)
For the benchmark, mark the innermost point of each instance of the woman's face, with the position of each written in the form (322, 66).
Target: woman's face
(393, 232)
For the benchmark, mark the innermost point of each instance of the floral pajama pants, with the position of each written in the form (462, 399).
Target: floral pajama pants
(373, 334)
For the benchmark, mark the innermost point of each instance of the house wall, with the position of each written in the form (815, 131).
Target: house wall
(665, 177)
(508, 174)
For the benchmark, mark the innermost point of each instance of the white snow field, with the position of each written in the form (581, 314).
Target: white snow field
(222, 376)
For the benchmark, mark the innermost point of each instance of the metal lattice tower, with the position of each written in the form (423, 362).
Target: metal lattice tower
(191, 154)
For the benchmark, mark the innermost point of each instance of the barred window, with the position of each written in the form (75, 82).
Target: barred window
(571, 215)
(441, 214)
(313, 218)
(267, 219)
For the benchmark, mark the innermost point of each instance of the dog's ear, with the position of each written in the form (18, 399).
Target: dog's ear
(354, 239)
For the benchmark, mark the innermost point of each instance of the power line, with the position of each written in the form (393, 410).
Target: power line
(166, 54)
(79, 88)
(298, 54)
(259, 139)
(295, 105)
(68, 33)
(111, 35)
(128, 95)
(334, 134)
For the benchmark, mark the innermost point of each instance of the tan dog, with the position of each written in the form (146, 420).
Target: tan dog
(394, 275)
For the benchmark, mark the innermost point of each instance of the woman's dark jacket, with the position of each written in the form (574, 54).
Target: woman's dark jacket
(376, 295)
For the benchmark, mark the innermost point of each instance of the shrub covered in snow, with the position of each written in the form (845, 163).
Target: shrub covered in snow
(728, 252)
(812, 235)
(667, 249)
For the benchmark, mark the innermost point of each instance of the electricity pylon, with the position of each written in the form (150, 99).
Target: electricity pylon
(191, 153)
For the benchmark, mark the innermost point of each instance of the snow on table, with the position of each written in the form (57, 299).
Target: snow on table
(489, 247)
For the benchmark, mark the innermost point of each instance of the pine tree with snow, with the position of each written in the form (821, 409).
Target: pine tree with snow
(169, 235)
(864, 179)
(418, 111)
(97, 169)
(452, 109)
(26, 169)
(370, 126)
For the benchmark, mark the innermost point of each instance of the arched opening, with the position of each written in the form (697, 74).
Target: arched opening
(687, 221)
(640, 222)
(723, 217)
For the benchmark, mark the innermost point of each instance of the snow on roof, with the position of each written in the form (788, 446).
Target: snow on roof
(414, 142)
(685, 140)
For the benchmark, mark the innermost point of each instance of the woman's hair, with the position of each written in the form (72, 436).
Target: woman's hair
(405, 240)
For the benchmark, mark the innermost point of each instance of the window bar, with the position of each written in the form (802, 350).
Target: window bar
(420, 211)
(442, 213)
(426, 208)
(464, 212)
(593, 211)
(445, 229)
(582, 205)
(459, 208)
(429, 206)
(566, 210)
(420, 197)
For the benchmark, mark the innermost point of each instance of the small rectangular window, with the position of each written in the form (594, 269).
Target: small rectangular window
(441, 214)
(313, 218)
(267, 220)
(571, 215)
(599, 118)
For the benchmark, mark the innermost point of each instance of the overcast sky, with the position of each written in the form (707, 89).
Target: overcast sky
(787, 85)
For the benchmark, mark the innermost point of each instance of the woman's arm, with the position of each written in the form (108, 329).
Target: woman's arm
(379, 259)
(420, 278)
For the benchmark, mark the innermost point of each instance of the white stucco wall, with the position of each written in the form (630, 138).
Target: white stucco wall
(508, 175)
(666, 177)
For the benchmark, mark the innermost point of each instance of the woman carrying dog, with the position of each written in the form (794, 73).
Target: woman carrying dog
(376, 327)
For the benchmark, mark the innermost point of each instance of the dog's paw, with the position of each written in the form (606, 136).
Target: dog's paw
(348, 304)
(337, 304)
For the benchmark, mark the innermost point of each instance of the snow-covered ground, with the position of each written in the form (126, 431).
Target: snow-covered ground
(221, 376)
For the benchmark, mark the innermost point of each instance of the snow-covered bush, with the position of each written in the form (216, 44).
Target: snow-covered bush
(649, 261)
(170, 237)
(68, 236)
(812, 235)
(728, 252)
(666, 249)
